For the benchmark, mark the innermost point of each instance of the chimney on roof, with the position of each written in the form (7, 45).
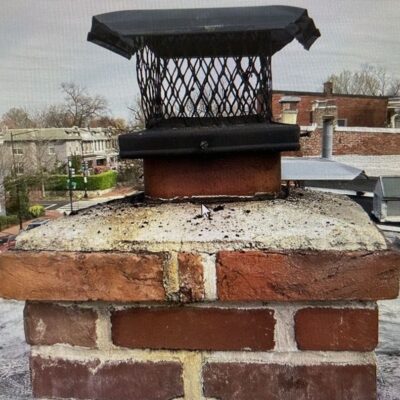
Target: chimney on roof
(328, 88)
(289, 108)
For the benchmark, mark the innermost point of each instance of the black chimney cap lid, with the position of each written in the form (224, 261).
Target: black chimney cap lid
(175, 33)
(254, 137)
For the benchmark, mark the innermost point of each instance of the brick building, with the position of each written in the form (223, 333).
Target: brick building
(353, 140)
(351, 110)
(394, 112)
(364, 125)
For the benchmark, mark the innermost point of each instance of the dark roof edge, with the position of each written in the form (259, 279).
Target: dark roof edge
(322, 94)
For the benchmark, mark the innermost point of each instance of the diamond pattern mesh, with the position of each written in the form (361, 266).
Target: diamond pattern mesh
(233, 89)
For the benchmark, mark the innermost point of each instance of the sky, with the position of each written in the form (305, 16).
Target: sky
(43, 43)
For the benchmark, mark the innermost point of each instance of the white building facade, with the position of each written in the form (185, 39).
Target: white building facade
(50, 148)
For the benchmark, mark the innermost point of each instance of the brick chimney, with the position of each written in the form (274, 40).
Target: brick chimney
(328, 88)
(224, 297)
(289, 109)
(148, 301)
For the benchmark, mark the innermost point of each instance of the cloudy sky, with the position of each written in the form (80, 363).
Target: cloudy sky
(43, 43)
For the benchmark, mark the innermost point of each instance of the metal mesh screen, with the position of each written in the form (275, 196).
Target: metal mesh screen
(195, 90)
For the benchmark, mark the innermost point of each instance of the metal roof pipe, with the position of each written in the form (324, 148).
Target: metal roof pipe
(327, 138)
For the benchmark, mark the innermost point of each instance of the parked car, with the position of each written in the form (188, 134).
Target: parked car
(7, 242)
(36, 223)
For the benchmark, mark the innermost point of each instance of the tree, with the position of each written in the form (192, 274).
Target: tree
(394, 89)
(5, 168)
(43, 161)
(81, 107)
(17, 118)
(137, 119)
(36, 162)
(76, 163)
(119, 124)
(17, 198)
(53, 116)
(369, 80)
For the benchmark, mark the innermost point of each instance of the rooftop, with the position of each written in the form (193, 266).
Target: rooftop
(55, 134)
(373, 166)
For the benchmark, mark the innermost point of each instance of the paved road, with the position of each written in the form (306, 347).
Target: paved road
(82, 204)
(63, 206)
(53, 205)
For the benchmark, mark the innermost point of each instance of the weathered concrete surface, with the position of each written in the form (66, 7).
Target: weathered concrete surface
(305, 220)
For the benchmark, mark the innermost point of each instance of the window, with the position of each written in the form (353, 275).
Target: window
(341, 122)
(18, 151)
(52, 150)
(396, 121)
(292, 106)
(19, 168)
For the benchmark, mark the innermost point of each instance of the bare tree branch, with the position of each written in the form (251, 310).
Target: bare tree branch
(137, 114)
(80, 106)
(369, 80)
(17, 118)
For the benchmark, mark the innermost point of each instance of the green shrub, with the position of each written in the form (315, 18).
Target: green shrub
(8, 220)
(36, 210)
(57, 183)
(105, 180)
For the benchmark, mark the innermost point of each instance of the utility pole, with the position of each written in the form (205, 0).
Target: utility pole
(85, 169)
(85, 175)
(70, 184)
(17, 188)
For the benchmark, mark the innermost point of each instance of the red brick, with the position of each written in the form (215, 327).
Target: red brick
(336, 329)
(48, 324)
(234, 381)
(230, 174)
(191, 277)
(63, 276)
(184, 328)
(358, 110)
(319, 275)
(58, 378)
(364, 143)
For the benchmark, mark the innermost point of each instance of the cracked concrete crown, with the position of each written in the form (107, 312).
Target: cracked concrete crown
(304, 221)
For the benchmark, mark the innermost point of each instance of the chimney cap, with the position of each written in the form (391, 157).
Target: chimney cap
(187, 32)
(218, 139)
